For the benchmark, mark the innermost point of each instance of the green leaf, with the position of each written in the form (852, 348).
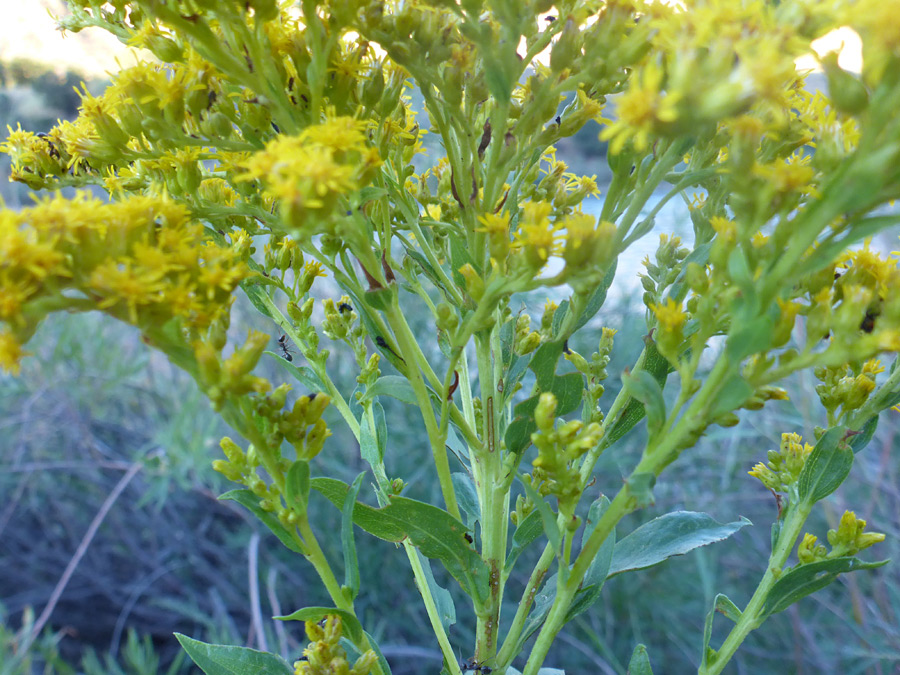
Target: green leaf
(568, 390)
(750, 338)
(734, 393)
(739, 269)
(640, 662)
(256, 295)
(251, 502)
(640, 486)
(528, 530)
(369, 448)
(443, 601)
(459, 256)
(296, 485)
(395, 386)
(231, 660)
(515, 373)
(380, 298)
(645, 388)
(433, 531)
(598, 570)
(467, 498)
(543, 363)
(349, 623)
(303, 374)
(633, 412)
(669, 535)
(826, 467)
(862, 439)
(795, 584)
(518, 434)
(728, 608)
(548, 518)
(543, 601)
(385, 668)
(455, 444)
(348, 540)
(429, 271)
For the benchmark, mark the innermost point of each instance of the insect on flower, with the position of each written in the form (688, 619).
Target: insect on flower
(286, 351)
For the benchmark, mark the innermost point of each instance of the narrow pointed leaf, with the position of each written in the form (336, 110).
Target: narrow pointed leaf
(795, 584)
(232, 660)
(673, 534)
(348, 540)
(436, 533)
(251, 502)
(826, 467)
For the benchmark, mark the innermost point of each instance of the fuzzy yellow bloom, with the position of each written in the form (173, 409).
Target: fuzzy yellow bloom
(536, 236)
(11, 353)
(641, 110)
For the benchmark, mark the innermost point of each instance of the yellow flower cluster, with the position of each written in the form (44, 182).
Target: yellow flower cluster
(848, 539)
(325, 656)
(785, 464)
(307, 174)
(141, 260)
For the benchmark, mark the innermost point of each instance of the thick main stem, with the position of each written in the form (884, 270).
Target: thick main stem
(489, 487)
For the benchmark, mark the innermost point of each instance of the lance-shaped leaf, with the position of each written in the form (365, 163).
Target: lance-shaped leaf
(826, 467)
(467, 497)
(443, 601)
(251, 502)
(799, 582)
(296, 485)
(673, 534)
(526, 532)
(646, 389)
(861, 440)
(348, 540)
(303, 374)
(724, 605)
(436, 533)
(231, 660)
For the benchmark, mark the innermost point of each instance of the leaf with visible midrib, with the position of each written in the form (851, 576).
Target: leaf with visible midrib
(231, 660)
(669, 535)
(433, 531)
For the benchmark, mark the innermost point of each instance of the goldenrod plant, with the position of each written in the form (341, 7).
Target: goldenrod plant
(263, 145)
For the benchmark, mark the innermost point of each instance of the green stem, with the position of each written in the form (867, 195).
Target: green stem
(409, 346)
(752, 616)
(556, 619)
(489, 486)
(430, 606)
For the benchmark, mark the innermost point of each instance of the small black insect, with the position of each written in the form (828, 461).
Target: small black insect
(345, 307)
(468, 537)
(286, 351)
(868, 323)
(473, 666)
(381, 342)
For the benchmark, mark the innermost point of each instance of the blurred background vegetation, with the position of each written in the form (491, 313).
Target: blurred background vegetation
(93, 403)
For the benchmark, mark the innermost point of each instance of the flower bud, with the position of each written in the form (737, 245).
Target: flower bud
(545, 412)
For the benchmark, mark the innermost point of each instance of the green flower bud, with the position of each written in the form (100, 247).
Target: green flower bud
(567, 47)
(545, 412)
